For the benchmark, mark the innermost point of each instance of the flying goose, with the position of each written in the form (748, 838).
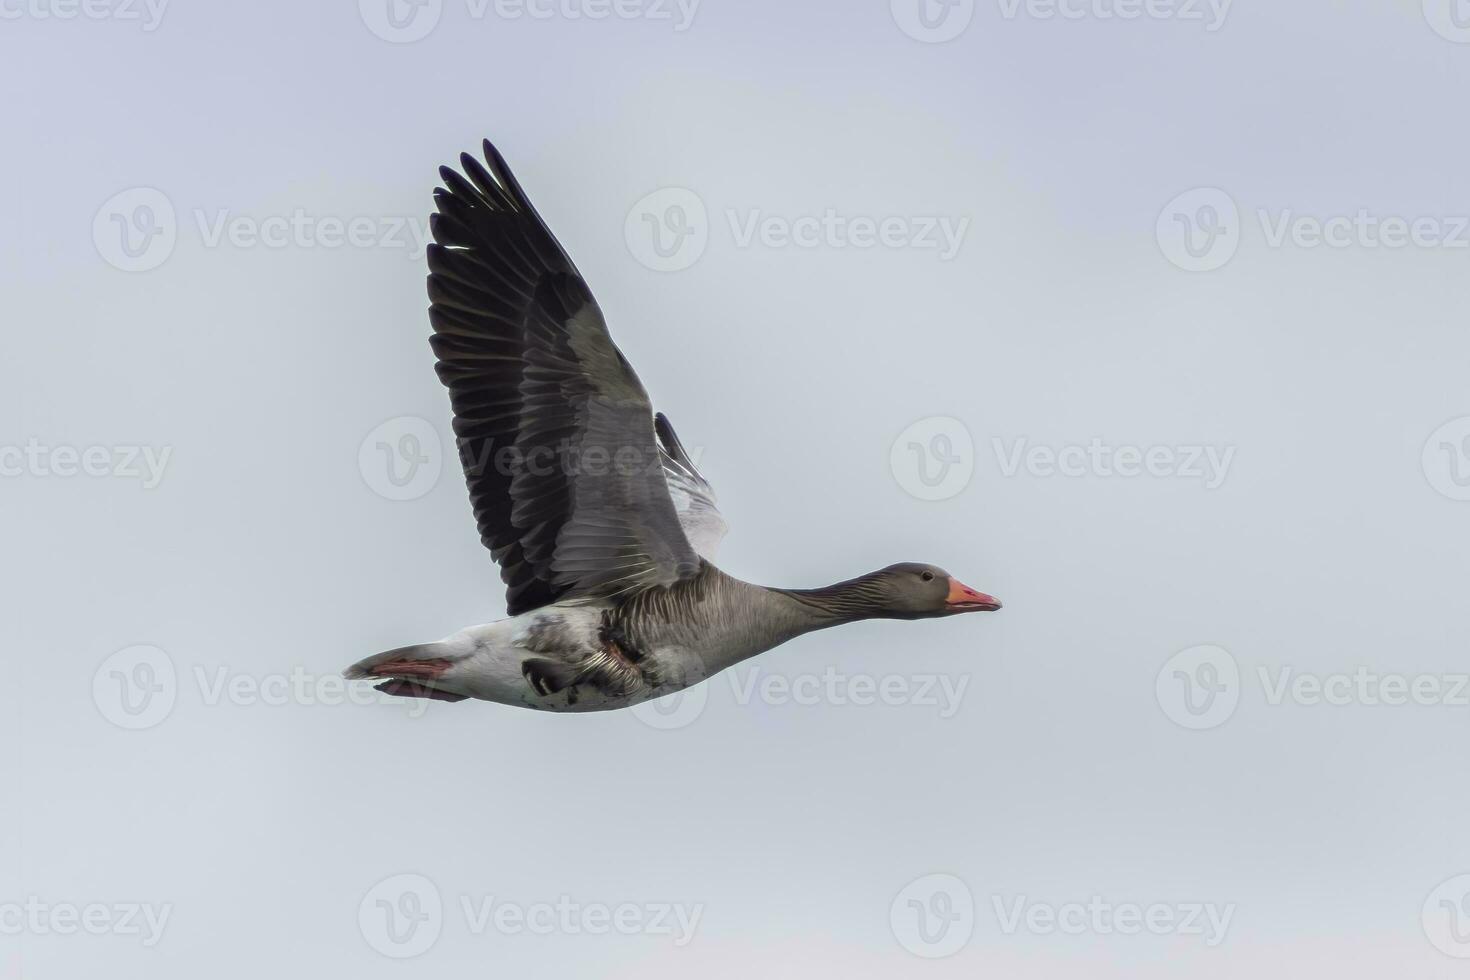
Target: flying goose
(604, 530)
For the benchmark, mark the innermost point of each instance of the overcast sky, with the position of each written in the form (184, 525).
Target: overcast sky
(1148, 318)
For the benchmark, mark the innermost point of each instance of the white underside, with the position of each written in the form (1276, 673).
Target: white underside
(487, 660)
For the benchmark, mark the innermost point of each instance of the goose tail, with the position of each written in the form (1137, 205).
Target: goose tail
(410, 672)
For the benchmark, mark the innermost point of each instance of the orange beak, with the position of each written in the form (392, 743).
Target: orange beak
(961, 596)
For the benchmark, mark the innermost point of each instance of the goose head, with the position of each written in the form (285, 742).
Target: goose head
(913, 590)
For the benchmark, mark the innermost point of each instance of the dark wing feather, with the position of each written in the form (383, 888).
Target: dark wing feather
(555, 430)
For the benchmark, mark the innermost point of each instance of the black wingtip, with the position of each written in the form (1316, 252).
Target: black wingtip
(503, 174)
(665, 432)
(669, 440)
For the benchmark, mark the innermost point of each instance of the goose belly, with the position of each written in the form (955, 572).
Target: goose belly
(559, 659)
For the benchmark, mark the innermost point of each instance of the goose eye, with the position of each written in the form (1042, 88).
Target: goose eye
(927, 576)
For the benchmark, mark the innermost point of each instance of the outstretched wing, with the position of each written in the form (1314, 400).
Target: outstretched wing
(555, 430)
(694, 498)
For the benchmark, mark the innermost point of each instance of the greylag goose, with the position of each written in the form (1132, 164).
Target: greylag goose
(604, 530)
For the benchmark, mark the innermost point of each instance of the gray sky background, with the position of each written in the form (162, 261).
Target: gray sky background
(1134, 269)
